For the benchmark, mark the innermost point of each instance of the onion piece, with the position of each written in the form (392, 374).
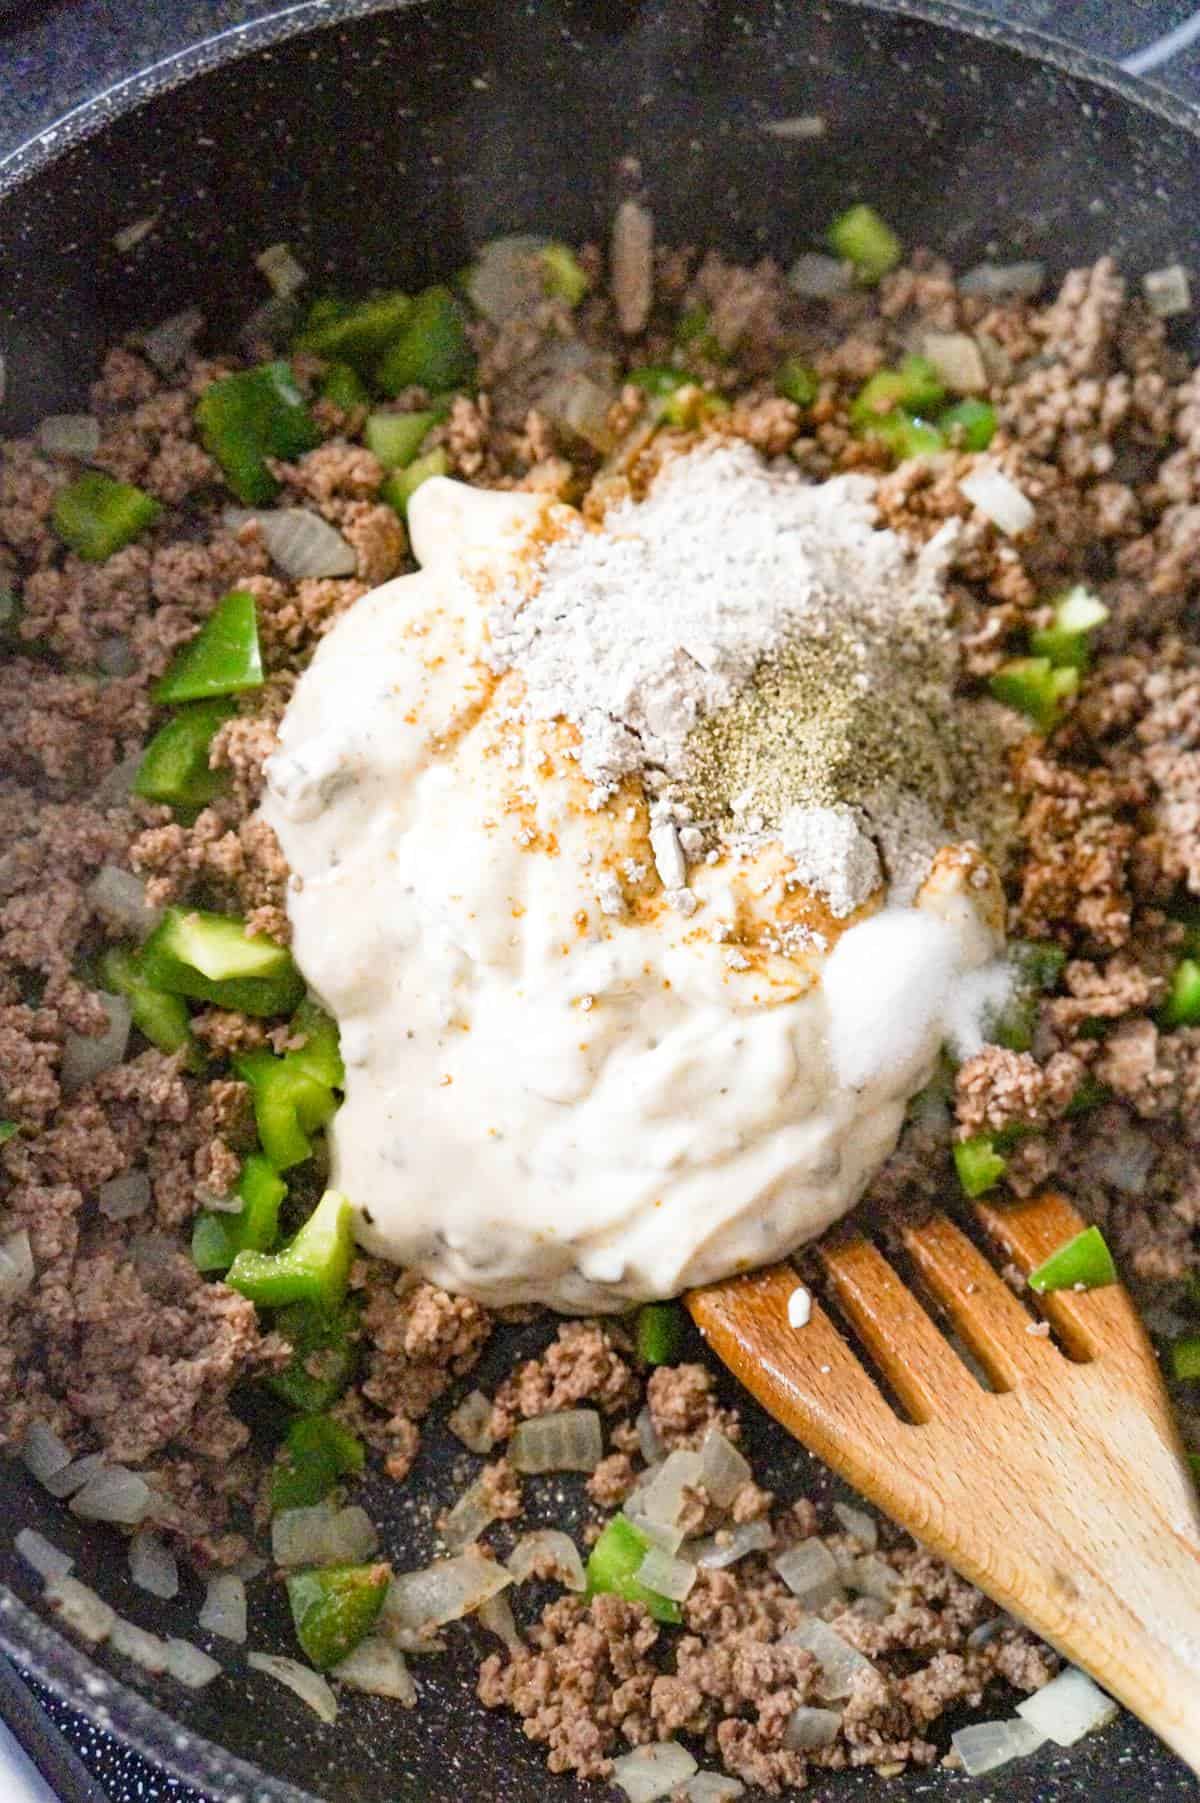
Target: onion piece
(810, 1728)
(658, 1533)
(133, 234)
(119, 897)
(713, 1787)
(790, 131)
(69, 435)
(168, 343)
(667, 1575)
(863, 1527)
(138, 1644)
(662, 1499)
(986, 1746)
(1168, 291)
(544, 1546)
(124, 1196)
(153, 1566)
(43, 1453)
(41, 1556)
(85, 1058)
(474, 1511)
(998, 498)
(113, 1494)
(323, 1535)
(719, 1551)
(840, 1663)
(810, 1572)
(284, 275)
(497, 1617)
(223, 1611)
(418, 1601)
(651, 1772)
(307, 1684)
(378, 1668)
(568, 1440)
(578, 405)
(723, 1470)
(190, 1665)
(113, 789)
(507, 278)
(1067, 1708)
(818, 277)
(470, 1422)
(300, 542)
(1004, 281)
(75, 1475)
(17, 1270)
(631, 265)
(874, 1577)
(78, 1606)
(649, 1442)
(958, 361)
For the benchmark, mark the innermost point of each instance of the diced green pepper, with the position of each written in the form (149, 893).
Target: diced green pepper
(1085, 1262)
(318, 1452)
(324, 1356)
(660, 1333)
(335, 1608)
(344, 387)
(315, 1267)
(611, 1566)
(431, 350)
(1185, 1358)
(395, 438)
(1182, 1006)
(354, 334)
(564, 276)
(174, 768)
(861, 237)
(913, 387)
(96, 516)
(694, 333)
(970, 425)
(1066, 642)
(211, 958)
(162, 1018)
(1090, 1094)
(797, 381)
(399, 488)
(658, 378)
(678, 398)
(1035, 687)
(979, 1165)
(7, 1129)
(245, 418)
(905, 436)
(218, 1235)
(319, 1057)
(290, 1103)
(223, 658)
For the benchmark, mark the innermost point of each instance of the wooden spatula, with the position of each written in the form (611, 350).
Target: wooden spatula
(1063, 1492)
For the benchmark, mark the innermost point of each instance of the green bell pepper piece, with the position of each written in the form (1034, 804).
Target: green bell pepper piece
(563, 274)
(174, 768)
(694, 332)
(1035, 687)
(1090, 1094)
(1066, 642)
(395, 438)
(913, 387)
(315, 1267)
(335, 1608)
(431, 351)
(223, 658)
(969, 425)
(356, 334)
(1084, 1262)
(210, 958)
(861, 237)
(979, 1165)
(95, 515)
(344, 387)
(7, 1129)
(658, 379)
(905, 436)
(797, 381)
(319, 1057)
(218, 1236)
(1185, 1358)
(324, 1356)
(245, 418)
(399, 488)
(162, 1018)
(289, 1105)
(318, 1451)
(611, 1565)
(1182, 1006)
(660, 1333)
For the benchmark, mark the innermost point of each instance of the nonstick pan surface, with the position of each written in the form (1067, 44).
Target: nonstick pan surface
(383, 142)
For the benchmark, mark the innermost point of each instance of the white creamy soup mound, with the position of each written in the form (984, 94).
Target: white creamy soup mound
(598, 1048)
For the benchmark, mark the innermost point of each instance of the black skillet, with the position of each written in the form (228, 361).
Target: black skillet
(383, 141)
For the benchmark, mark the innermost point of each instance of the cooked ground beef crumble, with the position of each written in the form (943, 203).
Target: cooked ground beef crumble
(122, 1345)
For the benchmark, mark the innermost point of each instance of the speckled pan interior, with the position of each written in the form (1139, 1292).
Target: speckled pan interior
(383, 141)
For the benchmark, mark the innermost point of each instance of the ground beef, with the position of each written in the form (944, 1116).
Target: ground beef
(582, 1366)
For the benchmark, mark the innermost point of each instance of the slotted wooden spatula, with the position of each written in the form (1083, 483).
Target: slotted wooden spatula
(1063, 1492)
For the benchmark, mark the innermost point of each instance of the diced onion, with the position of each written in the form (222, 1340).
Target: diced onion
(662, 1499)
(1003, 281)
(818, 277)
(999, 499)
(119, 897)
(167, 344)
(863, 1527)
(307, 1684)
(578, 404)
(301, 542)
(75, 1475)
(537, 1549)
(497, 1617)
(138, 1644)
(470, 1422)
(810, 1572)
(668, 1576)
(69, 435)
(17, 1269)
(506, 278)
(41, 1556)
(809, 1728)
(223, 1611)
(378, 1668)
(631, 265)
(874, 1577)
(651, 1772)
(113, 1494)
(124, 1196)
(1067, 1708)
(649, 1443)
(87, 1614)
(43, 1453)
(85, 1058)
(112, 791)
(1168, 291)
(281, 270)
(840, 1663)
(323, 1535)
(986, 1746)
(958, 361)
(721, 1550)
(251, 1566)
(190, 1665)
(713, 1787)
(153, 1566)
(658, 1533)
(444, 1591)
(803, 126)
(133, 234)
(569, 1440)
(271, 324)
(723, 1470)
(474, 1511)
